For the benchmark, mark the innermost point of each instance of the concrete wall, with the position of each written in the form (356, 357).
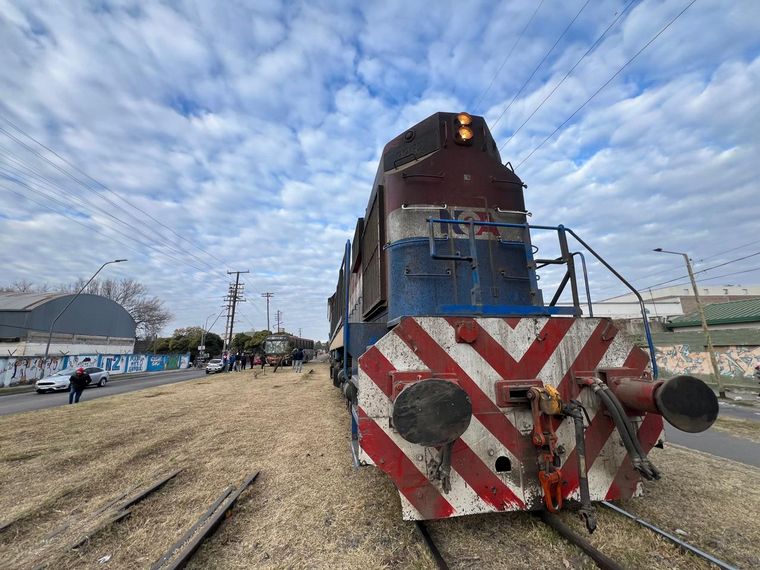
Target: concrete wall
(27, 370)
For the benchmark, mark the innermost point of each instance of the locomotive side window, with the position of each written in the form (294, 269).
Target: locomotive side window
(372, 257)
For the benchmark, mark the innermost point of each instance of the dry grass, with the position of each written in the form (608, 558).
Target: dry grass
(309, 508)
(747, 429)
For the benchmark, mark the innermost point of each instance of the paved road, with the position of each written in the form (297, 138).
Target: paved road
(27, 402)
(717, 443)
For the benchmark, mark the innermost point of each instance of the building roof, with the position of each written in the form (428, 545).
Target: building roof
(722, 314)
(24, 314)
(26, 301)
(720, 337)
(685, 290)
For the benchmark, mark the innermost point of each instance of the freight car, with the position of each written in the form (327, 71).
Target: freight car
(468, 388)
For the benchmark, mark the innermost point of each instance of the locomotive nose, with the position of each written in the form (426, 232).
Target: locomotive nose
(432, 412)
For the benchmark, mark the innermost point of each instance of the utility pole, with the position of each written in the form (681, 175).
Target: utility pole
(234, 296)
(278, 317)
(267, 296)
(705, 328)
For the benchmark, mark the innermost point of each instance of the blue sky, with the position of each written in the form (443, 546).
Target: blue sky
(245, 135)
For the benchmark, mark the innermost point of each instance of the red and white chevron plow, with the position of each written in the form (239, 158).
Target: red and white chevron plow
(493, 464)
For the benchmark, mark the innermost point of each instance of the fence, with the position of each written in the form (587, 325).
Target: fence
(22, 370)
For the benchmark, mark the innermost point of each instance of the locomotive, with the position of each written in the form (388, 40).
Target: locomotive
(469, 389)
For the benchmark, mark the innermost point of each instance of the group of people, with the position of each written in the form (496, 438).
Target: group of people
(238, 362)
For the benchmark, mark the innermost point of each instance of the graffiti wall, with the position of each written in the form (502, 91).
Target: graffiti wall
(28, 369)
(733, 361)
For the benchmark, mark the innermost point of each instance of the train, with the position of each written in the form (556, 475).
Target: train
(278, 348)
(468, 383)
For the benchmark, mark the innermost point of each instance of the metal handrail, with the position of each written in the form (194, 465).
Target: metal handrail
(561, 231)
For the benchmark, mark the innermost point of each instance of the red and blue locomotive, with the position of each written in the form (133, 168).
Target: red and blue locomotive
(469, 388)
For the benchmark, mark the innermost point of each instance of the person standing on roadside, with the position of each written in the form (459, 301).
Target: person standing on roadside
(77, 382)
(298, 360)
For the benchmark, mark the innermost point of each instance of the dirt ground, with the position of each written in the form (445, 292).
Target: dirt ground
(309, 508)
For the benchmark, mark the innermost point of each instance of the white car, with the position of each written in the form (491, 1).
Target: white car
(214, 365)
(60, 381)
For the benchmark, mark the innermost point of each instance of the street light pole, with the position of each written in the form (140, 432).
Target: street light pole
(50, 333)
(203, 335)
(705, 328)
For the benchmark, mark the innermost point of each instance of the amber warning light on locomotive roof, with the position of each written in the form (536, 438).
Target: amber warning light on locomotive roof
(464, 133)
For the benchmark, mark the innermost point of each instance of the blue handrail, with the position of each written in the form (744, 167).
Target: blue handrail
(560, 230)
(346, 276)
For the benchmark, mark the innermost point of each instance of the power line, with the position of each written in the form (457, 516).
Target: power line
(63, 171)
(606, 83)
(93, 225)
(704, 270)
(503, 63)
(730, 250)
(91, 207)
(540, 63)
(20, 130)
(576, 64)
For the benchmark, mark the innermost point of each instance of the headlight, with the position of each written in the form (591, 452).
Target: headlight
(463, 133)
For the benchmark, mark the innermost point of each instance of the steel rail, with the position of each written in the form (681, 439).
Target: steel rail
(602, 560)
(671, 537)
(440, 561)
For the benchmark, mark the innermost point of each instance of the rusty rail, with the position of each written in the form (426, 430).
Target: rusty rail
(440, 561)
(180, 553)
(600, 559)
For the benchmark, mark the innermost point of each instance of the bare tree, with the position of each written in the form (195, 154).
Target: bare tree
(24, 286)
(148, 312)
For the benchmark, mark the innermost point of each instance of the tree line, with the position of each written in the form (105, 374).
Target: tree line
(188, 339)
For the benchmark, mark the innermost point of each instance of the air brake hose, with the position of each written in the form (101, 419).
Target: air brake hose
(639, 461)
(634, 437)
(587, 511)
(655, 474)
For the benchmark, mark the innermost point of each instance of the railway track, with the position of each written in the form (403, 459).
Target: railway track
(600, 559)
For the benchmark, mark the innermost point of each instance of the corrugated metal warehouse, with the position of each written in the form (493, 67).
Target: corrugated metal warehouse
(92, 324)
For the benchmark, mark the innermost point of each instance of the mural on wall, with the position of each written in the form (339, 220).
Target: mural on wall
(25, 370)
(734, 361)
(137, 362)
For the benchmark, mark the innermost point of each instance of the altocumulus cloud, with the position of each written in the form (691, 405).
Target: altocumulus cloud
(246, 137)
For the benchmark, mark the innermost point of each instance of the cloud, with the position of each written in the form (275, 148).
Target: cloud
(254, 131)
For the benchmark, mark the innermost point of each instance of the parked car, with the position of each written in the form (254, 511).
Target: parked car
(214, 365)
(60, 380)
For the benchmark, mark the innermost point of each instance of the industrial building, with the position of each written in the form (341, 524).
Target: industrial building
(91, 325)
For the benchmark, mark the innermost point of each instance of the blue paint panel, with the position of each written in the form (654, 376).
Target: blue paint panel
(506, 310)
(419, 285)
(362, 335)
